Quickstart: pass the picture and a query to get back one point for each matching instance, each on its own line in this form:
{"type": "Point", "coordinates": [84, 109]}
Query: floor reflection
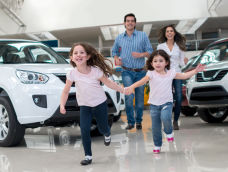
{"type": "Point", "coordinates": [198, 147]}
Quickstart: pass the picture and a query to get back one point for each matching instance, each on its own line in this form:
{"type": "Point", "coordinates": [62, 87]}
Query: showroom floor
{"type": "Point", "coordinates": [198, 147]}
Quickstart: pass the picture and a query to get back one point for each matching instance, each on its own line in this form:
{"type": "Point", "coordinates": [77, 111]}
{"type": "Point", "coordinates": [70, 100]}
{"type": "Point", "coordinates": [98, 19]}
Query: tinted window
{"type": "Point", "coordinates": [28, 52]}
{"type": "Point", "coordinates": [216, 53]}
{"type": "Point", "coordinates": [64, 54]}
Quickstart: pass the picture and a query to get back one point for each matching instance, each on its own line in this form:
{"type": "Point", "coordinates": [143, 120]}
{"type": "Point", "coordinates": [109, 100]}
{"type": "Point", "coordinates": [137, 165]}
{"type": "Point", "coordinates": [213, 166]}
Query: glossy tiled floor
{"type": "Point", "coordinates": [198, 147]}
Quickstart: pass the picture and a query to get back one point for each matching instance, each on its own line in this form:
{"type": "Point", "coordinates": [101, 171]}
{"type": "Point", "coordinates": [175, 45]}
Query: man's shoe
{"type": "Point", "coordinates": [129, 126]}
{"type": "Point", "coordinates": [138, 126]}
{"type": "Point", "coordinates": [107, 140]}
{"type": "Point", "coordinates": [175, 125]}
{"type": "Point", "coordinates": [86, 161]}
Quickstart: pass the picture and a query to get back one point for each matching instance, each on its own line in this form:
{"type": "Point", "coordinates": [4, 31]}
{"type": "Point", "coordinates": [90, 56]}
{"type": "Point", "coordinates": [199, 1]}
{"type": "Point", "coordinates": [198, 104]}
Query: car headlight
{"type": "Point", "coordinates": [28, 77]}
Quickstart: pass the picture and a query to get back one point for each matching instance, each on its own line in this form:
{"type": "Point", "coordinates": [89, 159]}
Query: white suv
{"type": "Point", "coordinates": [32, 79]}
{"type": "Point", "coordinates": [208, 90]}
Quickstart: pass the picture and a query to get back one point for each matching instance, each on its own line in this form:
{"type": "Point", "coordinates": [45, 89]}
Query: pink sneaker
{"type": "Point", "coordinates": [156, 151]}
{"type": "Point", "coordinates": [171, 139]}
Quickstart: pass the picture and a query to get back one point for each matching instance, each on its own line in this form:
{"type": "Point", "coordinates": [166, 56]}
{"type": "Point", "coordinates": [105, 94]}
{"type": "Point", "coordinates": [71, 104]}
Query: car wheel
{"type": "Point", "coordinates": [116, 118]}
{"type": "Point", "coordinates": [188, 111]}
{"type": "Point", "coordinates": [11, 132]}
{"type": "Point", "coordinates": [213, 115]}
{"type": "Point", "coordinates": [94, 131]}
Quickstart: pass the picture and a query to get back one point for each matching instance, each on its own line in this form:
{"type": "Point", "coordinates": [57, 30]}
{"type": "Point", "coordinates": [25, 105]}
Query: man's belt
{"type": "Point", "coordinates": [133, 69]}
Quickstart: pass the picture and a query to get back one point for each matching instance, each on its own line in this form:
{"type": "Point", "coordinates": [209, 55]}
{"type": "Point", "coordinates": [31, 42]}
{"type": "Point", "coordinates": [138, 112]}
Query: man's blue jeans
{"type": "Point", "coordinates": [129, 78]}
{"type": "Point", "coordinates": [161, 114]}
{"type": "Point", "coordinates": [177, 85]}
{"type": "Point", "coordinates": [86, 116]}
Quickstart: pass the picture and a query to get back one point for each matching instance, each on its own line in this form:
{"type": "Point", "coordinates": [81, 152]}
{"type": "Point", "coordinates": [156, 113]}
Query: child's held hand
{"type": "Point", "coordinates": [200, 68]}
{"type": "Point", "coordinates": [128, 90]}
{"type": "Point", "coordinates": [62, 110]}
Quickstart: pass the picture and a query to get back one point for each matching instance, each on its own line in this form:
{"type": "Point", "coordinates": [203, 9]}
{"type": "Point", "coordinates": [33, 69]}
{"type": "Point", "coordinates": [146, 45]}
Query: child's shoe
{"type": "Point", "coordinates": [157, 150]}
{"type": "Point", "coordinates": [107, 140]}
{"type": "Point", "coordinates": [86, 161]}
{"type": "Point", "coordinates": [170, 137]}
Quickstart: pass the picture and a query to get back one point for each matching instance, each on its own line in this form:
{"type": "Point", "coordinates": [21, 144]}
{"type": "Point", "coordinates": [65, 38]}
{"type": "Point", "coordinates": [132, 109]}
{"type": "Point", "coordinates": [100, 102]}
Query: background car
{"type": "Point", "coordinates": [64, 52]}
{"type": "Point", "coordinates": [32, 79]}
{"type": "Point", "coordinates": [185, 108]}
{"type": "Point", "coordinates": [208, 90]}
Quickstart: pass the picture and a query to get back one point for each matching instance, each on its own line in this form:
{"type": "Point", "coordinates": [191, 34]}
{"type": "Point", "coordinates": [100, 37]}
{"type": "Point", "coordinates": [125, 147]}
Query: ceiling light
{"type": "Point", "coordinates": [42, 36]}
{"type": "Point", "coordinates": [111, 32]}
{"type": "Point", "coordinates": [147, 28]}
{"type": "Point", "coordinates": [196, 26]}
{"type": "Point", "coordinates": [189, 26]}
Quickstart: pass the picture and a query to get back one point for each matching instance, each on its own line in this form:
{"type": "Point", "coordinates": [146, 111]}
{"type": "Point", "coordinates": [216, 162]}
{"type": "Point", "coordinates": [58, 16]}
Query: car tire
{"type": "Point", "coordinates": [116, 118]}
{"type": "Point", "coordinates": [188, 111]}
{"type": "Point", "coordinates": [213, 115]}
{"type": "Point", "coordinates": [94, 129]}
{"type": "Point", "coordinates": [11, 132]}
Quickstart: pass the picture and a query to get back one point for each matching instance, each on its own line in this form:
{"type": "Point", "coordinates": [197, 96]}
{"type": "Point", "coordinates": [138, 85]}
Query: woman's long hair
{"type": "Point", "coordinates": [178, 38]}
{"type": "Point", "coordinates": [96, 59]}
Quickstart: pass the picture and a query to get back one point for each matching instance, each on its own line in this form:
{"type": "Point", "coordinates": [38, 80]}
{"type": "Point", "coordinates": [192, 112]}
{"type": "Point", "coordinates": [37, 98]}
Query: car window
{"type": "Point", "coordinates": [64, 54]}
{"type": "Point", "coordinates": [28, 52]}
{"type": "Point", "coordinates": [214, 54]}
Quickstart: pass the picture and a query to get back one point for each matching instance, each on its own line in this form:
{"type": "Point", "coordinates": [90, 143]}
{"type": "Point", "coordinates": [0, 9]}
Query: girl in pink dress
{"type": "Point", "coordinates": [160, 78]}
{"type": "Point", "coordinates": [89, 70]}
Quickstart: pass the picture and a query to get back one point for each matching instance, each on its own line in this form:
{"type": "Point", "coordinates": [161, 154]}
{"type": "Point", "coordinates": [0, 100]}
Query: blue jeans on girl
{"type": "Point", "coordinates": [161, 114]}
{"type": "Point", "coordinates": [86, 115]}
{"type": "Point", "coordinates": [129, 78]}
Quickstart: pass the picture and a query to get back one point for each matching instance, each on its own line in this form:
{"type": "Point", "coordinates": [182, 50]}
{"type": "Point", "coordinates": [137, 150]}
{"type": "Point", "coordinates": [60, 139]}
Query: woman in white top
{"type": "Point", "coordinates": [173, 43]}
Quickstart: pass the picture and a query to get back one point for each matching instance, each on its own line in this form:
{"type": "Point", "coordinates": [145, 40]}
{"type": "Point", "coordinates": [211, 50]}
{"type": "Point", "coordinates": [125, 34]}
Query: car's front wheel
{"type": "Point", "coordinates": [11, 132]}
{"type": "Point", "coordinates": [213, 115]}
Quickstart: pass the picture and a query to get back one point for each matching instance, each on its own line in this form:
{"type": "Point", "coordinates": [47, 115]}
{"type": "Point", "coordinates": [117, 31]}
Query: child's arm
{"type": "Point", "coordinates": [130, 89]}
{"type": "Point", "coordinates": [111, 84]}
{"type": "Point", "coordinates": [64, 96]}
{"type": "Point", "coordinates": [189, 74]}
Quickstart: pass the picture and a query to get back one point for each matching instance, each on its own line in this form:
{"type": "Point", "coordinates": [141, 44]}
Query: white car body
{"type": "Point", "coordinates": [32, 80]}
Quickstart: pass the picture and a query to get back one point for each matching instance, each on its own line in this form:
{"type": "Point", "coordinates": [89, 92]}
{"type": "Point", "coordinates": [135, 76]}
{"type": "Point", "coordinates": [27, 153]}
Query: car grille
{"type": "Point", "coordinates": [62, 77]}
{"type": "Point", "coordinates": [213, 75]}
{"type": "Point", "coordinates": [210, 93]}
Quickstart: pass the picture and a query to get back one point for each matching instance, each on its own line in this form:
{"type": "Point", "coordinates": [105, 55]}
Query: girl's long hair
{"type": "Point", "coordinates": [178, 38]}
{"type": "Point", "coordinates": [96, 59]}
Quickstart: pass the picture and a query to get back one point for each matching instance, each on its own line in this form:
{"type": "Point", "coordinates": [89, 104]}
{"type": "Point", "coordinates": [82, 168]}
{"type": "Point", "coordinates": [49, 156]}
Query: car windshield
{"type": "Point", "coordinates": [28, 52]}
{"type": "Point", "coordinates": [215, 54]}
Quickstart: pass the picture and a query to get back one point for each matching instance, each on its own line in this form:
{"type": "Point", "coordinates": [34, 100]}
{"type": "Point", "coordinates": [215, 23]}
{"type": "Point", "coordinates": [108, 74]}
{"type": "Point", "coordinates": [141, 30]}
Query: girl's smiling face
{"type": "Point", "coordinates": [159, 64]}
{"type": "Point", "coordinates": [79, 56]}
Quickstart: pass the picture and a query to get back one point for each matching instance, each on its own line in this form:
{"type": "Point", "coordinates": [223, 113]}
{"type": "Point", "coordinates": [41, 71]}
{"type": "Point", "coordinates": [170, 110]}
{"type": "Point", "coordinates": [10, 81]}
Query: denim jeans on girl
{"type": "Point", "coordinates": [86, 116]}
{"type": "Point", "coordinates": [161, 114]}
{"type": "Point", "coordinates": [177, 84]}
{"type": "Point", "coordinates": [129, 78]}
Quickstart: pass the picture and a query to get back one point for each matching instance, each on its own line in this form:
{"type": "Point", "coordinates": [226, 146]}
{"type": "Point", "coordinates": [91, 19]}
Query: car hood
{"type": "Point", "coordinates": [218, 65]}
{"type": "Point", "coordinates": [43, 68]}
